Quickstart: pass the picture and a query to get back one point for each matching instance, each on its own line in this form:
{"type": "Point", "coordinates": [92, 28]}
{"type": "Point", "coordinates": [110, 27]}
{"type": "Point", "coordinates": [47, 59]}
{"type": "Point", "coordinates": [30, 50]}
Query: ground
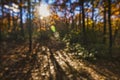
{"type": "Point", "coordinates": [51, 62]}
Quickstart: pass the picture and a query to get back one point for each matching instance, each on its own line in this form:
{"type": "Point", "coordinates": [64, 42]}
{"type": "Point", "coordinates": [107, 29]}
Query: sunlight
{"type": "Point", "coordinates": [43, 10]}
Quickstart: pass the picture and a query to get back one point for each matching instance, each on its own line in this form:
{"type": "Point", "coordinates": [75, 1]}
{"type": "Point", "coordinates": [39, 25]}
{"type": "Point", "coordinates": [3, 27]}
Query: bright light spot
{"type": "Point", "coordinates": [11, 12]}
{"type": "Point", "coordinates": [43, 10]}
{"type": "Point", "coordinates": [14, 5]}
{"type": "Point", "coordinates": [12, 8]}
{"type": "Point", "coordinates": [41, 17]}
{"type": "Point", "coordinates": [6, 6]}
{"type": "Point", "coordinates": [51, 1]}
{"type": "Point", "coordinates": [16, 10]}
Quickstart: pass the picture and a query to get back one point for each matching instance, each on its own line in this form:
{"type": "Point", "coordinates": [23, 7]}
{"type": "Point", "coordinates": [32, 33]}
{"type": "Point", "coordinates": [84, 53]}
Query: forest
{"type": "Point", "coordinates": [59, 39]}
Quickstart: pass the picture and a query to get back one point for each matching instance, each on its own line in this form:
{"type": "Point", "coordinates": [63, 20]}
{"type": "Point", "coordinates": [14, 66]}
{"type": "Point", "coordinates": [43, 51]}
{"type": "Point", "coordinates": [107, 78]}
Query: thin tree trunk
{"type": "Point", "coordinates": [104, 29]}
{"type": "Point", "coordinates": [93, 14]}
{"type": "Point", "coordinates": [30, 26]}
{"type": "Point", "coordinates": [83, 22]}
{"type": "Point", "coordinates": [13, 23]}
{"type": "Point", "coordinates": [66, 18]}
{"type": "Point", "coordinates": [72, 17]}
{"type": "Point", "coordinates": [21, 20]}
{"type": "Point", "coordinates": [87, 26]}
{"type": "Point", "coordinates": [9, 21]}
{"type": "Point", "coordinates": [110, 27]}
{"type": "Point", "coordinates": [73, 20]}
{"type": "Point", "coordinates": [80, 19]}
{"type": "Point", "coordinates": [2, 20]}
{"type": "Point", "coordinates": [83, 17]}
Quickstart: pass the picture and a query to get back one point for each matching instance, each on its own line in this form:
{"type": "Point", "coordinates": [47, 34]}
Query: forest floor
{"type": "Point", "coordinates": [48, 62]}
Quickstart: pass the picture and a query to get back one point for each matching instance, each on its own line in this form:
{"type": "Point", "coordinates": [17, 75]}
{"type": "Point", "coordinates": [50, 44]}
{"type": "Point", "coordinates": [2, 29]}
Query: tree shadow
{"type": "Point", "coordinates": [76, 75]}
{"type": "Point", "coordinates": [20, 70]}
{"type": "Point", "coordinates": [106, 68]}
{"type": "Point", "coordinates": [60, 73]}
{"type": "Point", "coordinates": [70, 73]}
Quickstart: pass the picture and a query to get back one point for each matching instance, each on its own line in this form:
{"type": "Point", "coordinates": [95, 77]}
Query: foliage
{"type": "Point", "coordinates": [92, 49]}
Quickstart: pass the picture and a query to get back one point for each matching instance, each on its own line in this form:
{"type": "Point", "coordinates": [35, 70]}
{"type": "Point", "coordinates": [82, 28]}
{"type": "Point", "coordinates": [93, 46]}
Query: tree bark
{"type": "Point", "coordinates": [83, 22]}
{"type": "Point", "coordinates": [29, 26]}
{"type": "Point", "coordinates": [110, 27]}
{"type": "Point", "coordinates": [83, 16]}
{"type": "Point", "coordinates": [73, 20]}
{"type": "Point", "coordinates": [1, 20]}
{"type": "Point", "coordinates": [21, 20]}
{"type": "Point", "coordinates": [93, 14]}
{"type": "Point", "coordinates": [80, 18]}
{"type": "Point", "coordinates": [104, 29]}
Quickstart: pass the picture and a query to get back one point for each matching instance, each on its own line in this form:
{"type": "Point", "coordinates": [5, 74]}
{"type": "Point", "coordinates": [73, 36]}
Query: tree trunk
{"type": "Point", "coordinates": [29, 26]}
{"type": "Point", "coordinates": [1, 20]}
{"type": "Point", "coordinates": [93, 14]}
{"type": "Point", "coordinates": [21, 20]}
{"type": "Point", "coordinates": [83, 22]}
{"type": "Point", "coordinates": [80, 18]}
{"type": "Point", "coordinates": [87, 26]}
{"type": "Point", "coordinates": [83, 16]}
{"type": "Point", "coordinates": [104, 29]}
{"type": "Point", "coordinates": [72, 17]}
{"type": "Point", "coordinates": [66, 25]}
{"type": "Point", "coordinates": [9, 21]}
{"type": "Point", "coordinates": [73, 20]}
{"type": "Point", "coordinates": [110, 27]}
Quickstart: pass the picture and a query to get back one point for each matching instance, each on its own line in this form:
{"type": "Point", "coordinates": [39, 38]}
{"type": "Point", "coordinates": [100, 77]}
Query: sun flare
{"type": "Point", "coordinates": [43, 10]}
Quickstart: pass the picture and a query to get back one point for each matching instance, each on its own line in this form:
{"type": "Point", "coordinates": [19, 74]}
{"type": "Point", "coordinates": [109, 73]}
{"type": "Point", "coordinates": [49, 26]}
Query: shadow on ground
{"type": "Point", "coordinates": [48, 62]}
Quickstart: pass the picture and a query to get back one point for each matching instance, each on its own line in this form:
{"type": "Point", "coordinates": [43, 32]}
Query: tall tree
{"type": "Point", "coordinates": [110, 27]}
{"type": "Point", "coordinates": [21, 20]}
{"type": "Point", "coordinates": [9, 16]}
{"type": "Point", "coordinates": [1, 3]}
{"type": "Point", "coordinates": [104, 29]}
{"type": "Point", "coordinates": [80, 18]}
{"type": "Point", "coordinates": [81, 2]}
{"type": "Point", "coordinates": [30, 25]}
{"type": "Point", "coordinates": [93, 13]}
{"type": "Point", "coordinates": [83, 15]}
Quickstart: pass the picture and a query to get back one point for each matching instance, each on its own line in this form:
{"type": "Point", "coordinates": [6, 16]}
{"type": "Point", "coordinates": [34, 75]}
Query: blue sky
{"type": "Point", "coordinates": [50, 2]}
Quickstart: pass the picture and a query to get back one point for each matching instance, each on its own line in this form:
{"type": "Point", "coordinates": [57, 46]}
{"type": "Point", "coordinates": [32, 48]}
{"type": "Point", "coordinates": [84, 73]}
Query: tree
{"type": "Point", "coordinates": [1, 3]}
{"type": "Point", "coordinates": [92, 13]}
{"type": "Point", "coordinates": [21, 20]}
{"type": "Point", "coordinates": [80, 18]}
{"type": "Point", "coordinates": [30, 25]}
{"type": "Point", "coordinates": [110, 27]}
{"type": "Point", "coordinates": [81, 2]}
{"type": "Point", "coordinates": [104, 29]}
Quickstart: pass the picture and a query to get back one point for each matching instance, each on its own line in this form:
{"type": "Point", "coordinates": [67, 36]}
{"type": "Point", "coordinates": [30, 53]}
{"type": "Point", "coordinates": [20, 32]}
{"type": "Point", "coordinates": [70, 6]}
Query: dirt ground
{"type": "Point", "coordinates": [51, 63]}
